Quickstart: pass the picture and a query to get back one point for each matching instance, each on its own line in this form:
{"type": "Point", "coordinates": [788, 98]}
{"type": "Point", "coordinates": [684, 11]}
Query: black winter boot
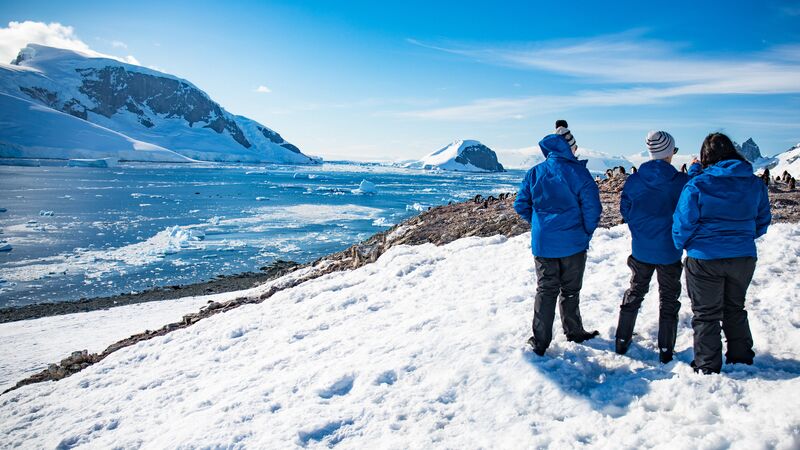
{"type": "Point", "coordinates": [664, 357]}
{"type": "Point", "coordinates": [703, 370]}
{"type": "Point", "coordinates": [536, 348]}
{"type": "Point", "coordinates": [583, 336]}
{"type": "Point", "coordinates": [622, 346]}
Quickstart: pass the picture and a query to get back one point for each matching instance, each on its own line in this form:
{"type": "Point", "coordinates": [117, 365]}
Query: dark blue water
{"type": "Point", "coordinates": [133, 227]}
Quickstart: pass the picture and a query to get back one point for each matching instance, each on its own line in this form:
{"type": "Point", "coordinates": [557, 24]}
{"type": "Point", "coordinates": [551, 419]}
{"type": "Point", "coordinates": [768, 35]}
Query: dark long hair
{"type": "Point", "coordinates": [717, 147]}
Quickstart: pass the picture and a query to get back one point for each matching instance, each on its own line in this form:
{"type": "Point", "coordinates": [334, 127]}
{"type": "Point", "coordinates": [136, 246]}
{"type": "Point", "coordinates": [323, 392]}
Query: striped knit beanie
{"type": "Point", "coordinates": [660, 144]}
{"type": "Point", "coordinates": [566, 134]}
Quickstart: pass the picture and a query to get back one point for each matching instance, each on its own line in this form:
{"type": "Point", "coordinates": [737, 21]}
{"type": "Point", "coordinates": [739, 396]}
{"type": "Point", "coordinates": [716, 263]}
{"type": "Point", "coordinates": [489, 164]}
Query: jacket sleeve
{"type": "Point", "coordinates": [625, 204]}
{"type": "Point", "coordinates": [591, 208]}
{"type": "Point", "coordinates": [695, 170]}
{"type": "Point", "coordinates": [523, 204]}
{"type": "Point", "coordinates": [764, 215]}
{"type": "Point", "coordinates": [686, 217]}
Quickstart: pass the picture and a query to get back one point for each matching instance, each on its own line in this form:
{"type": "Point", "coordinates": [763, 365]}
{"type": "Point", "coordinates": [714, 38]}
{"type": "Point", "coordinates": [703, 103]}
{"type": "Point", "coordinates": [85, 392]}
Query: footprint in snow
{"type": "Point", "coordinates": [342, 386]}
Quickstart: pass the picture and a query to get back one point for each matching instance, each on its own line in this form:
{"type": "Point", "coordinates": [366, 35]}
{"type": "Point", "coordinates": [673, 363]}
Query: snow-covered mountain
{"type": "Point", "coordinates": [749, 149]}
{"type": "Point", "coordinates": [461, 155]}
{"type": "Point", "coordinates": [142, 104]}
{"type": "Point", "coordinates": [598, 162]}
{"type": "Point", "coordinates": [30, 130]}
{"type": "Point", "coordinates": [788, 161]}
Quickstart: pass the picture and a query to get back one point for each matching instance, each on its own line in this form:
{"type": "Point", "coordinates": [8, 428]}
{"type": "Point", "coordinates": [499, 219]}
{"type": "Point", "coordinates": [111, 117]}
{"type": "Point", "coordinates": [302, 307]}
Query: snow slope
{"type": "Point", "coordinates": [143, 104]}
{"type": "Point", "coordinates": [49, 339]}
{"type": "Point", "coordinates": [31, 130]}
{"type": "Point", "coordinates": [462, 156]}
{"type": "Point", "coordinates": [425, 348]}
{"type": "Point", "coordinates": [788, 161]}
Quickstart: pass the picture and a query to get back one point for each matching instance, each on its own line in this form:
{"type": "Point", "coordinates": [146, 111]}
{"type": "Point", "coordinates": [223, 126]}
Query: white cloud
{"type": "Point", "coordinates": [119, 44]}
{"type": "Point", "coordinates": [263, 89]}
{"type": "Point", "coordinates": [658, 71]}
{"type": "Point", "coordinates": [19, 34]}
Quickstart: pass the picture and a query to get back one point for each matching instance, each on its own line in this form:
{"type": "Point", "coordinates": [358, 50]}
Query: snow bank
{"type": "Point", "coordinates": [425, 348]}
{"type": "Point", "coordinates": [49, 339]}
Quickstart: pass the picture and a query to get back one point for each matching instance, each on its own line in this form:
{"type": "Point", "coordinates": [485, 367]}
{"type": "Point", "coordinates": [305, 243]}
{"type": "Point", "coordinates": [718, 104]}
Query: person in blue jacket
{"type": "Point", "coordinates": [560, 199]}
{"type": "Point", "coordinates": [720, 213]}
{"type": "Point", "coordinates": [647, 203]}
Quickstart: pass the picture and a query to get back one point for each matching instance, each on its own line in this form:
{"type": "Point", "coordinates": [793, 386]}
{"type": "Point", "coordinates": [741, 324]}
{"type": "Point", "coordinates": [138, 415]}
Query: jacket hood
{"type": "Point", "coordinates": [656, 173]}
{"type": "Point", "coordinates": [730, 168]}
{"type": "Point", "coordinates": [557, 146]}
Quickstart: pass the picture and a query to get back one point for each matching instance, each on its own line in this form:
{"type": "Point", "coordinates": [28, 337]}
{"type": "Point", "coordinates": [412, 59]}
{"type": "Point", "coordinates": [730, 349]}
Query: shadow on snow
{"type": "Point", "coordinates": [610, 388]}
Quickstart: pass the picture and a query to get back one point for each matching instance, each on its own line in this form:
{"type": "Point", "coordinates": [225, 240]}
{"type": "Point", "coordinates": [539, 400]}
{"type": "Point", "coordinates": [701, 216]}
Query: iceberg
{"type": "Point", "coordinates": [366, 187]}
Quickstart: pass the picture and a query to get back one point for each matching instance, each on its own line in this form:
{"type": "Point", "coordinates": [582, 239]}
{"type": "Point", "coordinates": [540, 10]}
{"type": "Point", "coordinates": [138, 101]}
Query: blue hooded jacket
{"type": "Point", "coordinates": [560, 200]}
{"type": "Point", "coordinates": [647, 203]}
{"type": "Point", "coordinates": [721, 212]}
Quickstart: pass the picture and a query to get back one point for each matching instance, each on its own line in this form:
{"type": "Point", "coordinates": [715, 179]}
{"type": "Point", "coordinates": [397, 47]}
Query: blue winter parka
{"type": "Point", "coordinates": [721, 212]}
{"type": "Point", "coordinates": [560, 199]}
{"type": "Point", "coordinates": [647, 203]}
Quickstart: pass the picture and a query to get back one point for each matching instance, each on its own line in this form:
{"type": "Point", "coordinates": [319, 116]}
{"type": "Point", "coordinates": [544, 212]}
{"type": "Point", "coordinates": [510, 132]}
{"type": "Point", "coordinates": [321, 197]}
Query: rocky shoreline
{"type": "Point", "coordinates": [439, 225]}
{"type": "Point", "coordinates": [220, 284]}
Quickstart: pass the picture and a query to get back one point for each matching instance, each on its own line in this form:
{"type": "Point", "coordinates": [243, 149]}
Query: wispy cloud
{"type": "Point", "coordinates": [119, 44]}
{"type": "Point", "coordinates": [263, 89]}
{"type": "Point", "coordinates": [636, 71]}
{"type": "Point", "coordinates": [19, 34]}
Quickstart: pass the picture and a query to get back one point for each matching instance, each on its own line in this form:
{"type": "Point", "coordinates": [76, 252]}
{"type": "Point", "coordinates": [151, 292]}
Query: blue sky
{"type": "Point", "coordinates": [373, 80]}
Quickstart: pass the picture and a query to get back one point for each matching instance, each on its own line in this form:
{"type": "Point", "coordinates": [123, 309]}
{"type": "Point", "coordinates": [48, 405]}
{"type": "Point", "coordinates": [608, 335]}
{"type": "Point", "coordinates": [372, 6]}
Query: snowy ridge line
{"type": "Point", "coordinates": [489, 217]}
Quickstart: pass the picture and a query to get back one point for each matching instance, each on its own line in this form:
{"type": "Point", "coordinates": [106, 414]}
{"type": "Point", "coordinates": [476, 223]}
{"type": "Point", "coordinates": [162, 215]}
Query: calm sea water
{"type": "Point", "coordinates": [85, 232]}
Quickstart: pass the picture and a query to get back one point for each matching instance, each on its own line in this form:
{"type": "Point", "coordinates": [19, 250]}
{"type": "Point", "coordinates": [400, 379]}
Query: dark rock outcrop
{"type": "Point", "coordinates": [480, 156]}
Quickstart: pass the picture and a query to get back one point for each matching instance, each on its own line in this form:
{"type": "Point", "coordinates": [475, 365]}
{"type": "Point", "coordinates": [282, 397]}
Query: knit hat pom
{"type": "Point", "coordinates": [566, 134]}
{"type": "Point", "coordinates": [660, 144]}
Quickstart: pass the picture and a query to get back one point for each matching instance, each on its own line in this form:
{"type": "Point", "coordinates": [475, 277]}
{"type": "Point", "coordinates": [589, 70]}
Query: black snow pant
{"type": "Point", "coordinates": [554, 276]}
{"type": "Point", "coordinates": [717, 288]}
{"type": "Point", "coordinates": [669, 289]}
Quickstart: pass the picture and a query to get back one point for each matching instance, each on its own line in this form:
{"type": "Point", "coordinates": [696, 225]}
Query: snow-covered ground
{"type": "Point", "coordinates": [425, 348]}
{"type": "Point", "coordinates": [30, 345]}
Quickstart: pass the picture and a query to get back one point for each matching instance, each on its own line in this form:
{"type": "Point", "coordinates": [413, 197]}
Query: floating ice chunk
{"type": "Point", "coordinates": [140, 195]}
{"type": "Point", "coordinates": [46, 213]}
{"type": "Point", "coordinates": [416, 207]}
{"type": "Point", "coordinates": [5, 247]}
{"type": "Point", "coordinates": [2, 210]}
{"type": "Point", "coordinates": [301, 176]}
{"type": "Point", "coordinates": [366, 187]}
{"type": "Point", "coordinates": [97, 163]}
{"type": "Point", "coordinates": [381, 222]}
{"type": "Point", "coordinates": [261, 199]}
